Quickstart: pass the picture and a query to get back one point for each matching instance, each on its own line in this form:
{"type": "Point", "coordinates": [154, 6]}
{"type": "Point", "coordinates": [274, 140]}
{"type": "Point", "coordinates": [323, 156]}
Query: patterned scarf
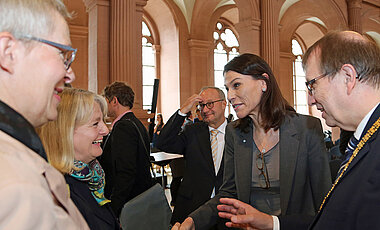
{"type": "Point", "coordinates": [93, 174]}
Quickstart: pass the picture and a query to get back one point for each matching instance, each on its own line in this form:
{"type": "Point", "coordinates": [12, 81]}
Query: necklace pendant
{"type": "Point", "coordinates": [263, 150]}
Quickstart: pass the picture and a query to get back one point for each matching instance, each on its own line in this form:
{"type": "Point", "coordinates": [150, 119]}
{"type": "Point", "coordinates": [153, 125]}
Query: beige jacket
{"type": "Point", "coordinates": [33, 194]}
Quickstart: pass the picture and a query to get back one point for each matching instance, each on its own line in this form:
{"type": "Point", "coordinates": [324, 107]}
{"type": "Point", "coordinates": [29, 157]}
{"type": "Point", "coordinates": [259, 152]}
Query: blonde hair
{"type": "Point", "coordinates": [30, 17]}
{"type": "Point", "coordinates": [75, 109]}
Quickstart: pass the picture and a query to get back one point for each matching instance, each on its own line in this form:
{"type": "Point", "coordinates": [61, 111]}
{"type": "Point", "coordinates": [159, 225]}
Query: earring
{"type": "Point", "coordinates": [264, 89]}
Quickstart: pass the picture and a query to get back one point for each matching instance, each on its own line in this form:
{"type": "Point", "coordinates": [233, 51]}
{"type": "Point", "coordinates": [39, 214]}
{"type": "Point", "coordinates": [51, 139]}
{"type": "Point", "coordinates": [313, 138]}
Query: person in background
{"type": "Point", "coordinates": [343, 80]}
{"type": "Point", "coordinates": [201, 144]}
{"type": "Point", "coordinates": [35, 60]}
{"type": "Point", "coordinates": [275, 159]}
{"type": "Point", "coordinates": [157, 129]}
{"type": "Point", "coordinates": [125, 159]}
{"type": "Point", "coordinates": [72, 143]}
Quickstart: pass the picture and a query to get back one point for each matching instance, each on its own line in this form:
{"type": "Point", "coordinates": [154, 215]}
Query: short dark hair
{"type": "Point", "coordinates": [273, 107]}
{"type": "Point", "coordinates": [122, 92]}
{"type": "Point", "coordinates": [337, 48]}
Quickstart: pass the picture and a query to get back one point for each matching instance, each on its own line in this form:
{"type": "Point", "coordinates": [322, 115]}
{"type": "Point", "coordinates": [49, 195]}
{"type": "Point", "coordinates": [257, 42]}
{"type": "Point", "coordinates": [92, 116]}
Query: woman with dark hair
{"type": "Point", "coordinates": [274, 158]}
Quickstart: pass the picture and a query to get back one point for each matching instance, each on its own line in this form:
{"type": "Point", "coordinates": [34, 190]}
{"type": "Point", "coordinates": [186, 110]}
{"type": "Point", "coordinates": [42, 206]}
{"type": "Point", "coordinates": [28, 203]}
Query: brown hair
{"type": "Point", "coordinates": [347, 47]}
{"type": "Point", "coordinates": [273, 107]}
{"type": "Point", "coordinates": [122, 92]}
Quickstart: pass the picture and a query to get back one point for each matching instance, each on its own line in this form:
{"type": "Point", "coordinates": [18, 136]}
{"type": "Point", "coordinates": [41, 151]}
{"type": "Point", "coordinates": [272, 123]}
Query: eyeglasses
{"type": "Point", "coordinates": [309, 84]}
{"type": "Point", "coordinates": [263, 176]}
{"type": "Point", "coordinates": [67, 52]}
{"type": "Point", "coordinates": [209, 105]}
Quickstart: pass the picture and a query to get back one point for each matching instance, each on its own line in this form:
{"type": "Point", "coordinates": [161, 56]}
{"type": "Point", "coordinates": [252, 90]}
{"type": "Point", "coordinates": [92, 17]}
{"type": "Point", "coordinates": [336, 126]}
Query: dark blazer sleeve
{"type": "Point", "coordinates": [319, 170]}
{"type": "Point", "coordinates": [171, 138]}
{"type": "Point", "coordinates": [125, 157]}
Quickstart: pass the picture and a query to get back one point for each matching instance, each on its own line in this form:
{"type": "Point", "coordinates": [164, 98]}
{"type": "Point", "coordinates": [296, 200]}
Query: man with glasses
{"type": "Point", "coordinates": [35, 59]}
{"type": "Point", "coordinates": [202, 145]}
{"type": "Point", "coordinates": [343, 80]}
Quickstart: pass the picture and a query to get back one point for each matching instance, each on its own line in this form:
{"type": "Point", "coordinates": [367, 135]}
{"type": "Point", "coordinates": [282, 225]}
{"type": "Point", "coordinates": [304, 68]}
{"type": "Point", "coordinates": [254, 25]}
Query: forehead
{"type": "Point", "coordinates": [61, 33]}
{"type": "Point", "coordinates": [210, 94]}
{"type": "Point", "coordinates": [232, 75]}
{"type": "Point", "coordinates": [312, 66]}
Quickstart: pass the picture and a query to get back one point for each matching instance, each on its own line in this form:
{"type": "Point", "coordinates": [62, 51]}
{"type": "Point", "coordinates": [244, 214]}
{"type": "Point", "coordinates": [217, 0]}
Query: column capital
{"type": "Point", "coordinates": [90, 4]}
{"type": "Point", "coordinates": [140, 4]}
{"type": "Point", "coordinates": [201, 44]}
{"type": "Point", "coordinates": [251, 24]}
{"type": "Point", "coordinates": [354, 3]}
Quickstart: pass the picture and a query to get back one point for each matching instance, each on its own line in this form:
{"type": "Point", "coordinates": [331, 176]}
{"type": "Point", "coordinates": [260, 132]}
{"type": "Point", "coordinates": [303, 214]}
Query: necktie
{"type": "Point", "coordinates": [351, 146]}
{"type": "Point", "coordinates": [214, 145]}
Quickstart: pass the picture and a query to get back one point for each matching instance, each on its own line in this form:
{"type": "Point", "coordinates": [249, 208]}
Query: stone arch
{"type": "Point", "coordinates": [324, 10]}
{"type": "Point", "coordinates": [168, 25]}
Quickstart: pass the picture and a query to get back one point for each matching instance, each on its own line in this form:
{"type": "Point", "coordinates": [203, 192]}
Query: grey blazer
{"type": "Point", "coordinates": [304, 169]}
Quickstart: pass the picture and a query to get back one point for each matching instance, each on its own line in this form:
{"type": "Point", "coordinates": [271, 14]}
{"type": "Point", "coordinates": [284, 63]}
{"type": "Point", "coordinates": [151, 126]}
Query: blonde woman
{"type": "Point", "coordinates": [72, 143]}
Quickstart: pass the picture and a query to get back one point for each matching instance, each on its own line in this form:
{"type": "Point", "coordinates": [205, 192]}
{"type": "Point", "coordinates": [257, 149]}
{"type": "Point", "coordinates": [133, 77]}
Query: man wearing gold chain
{"type": "Point", "coordinates": [343, 79]}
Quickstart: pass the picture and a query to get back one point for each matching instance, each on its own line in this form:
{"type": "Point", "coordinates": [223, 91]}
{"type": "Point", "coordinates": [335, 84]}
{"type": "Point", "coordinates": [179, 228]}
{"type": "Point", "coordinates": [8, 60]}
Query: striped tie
{"type": "Point", "coordinates": [351, 146]}
{"type": "Point", "coordinates": [214, 145]}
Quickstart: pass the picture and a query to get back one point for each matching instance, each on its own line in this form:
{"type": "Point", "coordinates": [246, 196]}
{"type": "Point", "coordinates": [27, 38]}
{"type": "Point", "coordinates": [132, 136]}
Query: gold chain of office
{"type": "Point", "coordinates": [362, 142]}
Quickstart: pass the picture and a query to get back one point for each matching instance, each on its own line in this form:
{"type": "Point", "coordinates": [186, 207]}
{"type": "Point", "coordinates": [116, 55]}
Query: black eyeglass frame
{"type": "Point", "coordinates": [261, 168]}
{"type": "Point", "coordinates": [209, 105]}
{"type": "Point", "coordinates": [309, 84]}
{"type": "Point", "coordinates": [67, 61]}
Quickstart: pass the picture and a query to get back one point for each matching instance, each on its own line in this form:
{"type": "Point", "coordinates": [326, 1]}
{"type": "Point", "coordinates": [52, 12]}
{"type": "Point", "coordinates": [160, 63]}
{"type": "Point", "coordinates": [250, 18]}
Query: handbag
{"type": "Point", "coordinates": [148, 211]}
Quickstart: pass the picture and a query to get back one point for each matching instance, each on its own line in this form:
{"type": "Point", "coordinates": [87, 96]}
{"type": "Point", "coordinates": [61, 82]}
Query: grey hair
{"type": "Point", "coordinates": [220, 92]}
{"type": "Point", "coordinates": [30, 17]}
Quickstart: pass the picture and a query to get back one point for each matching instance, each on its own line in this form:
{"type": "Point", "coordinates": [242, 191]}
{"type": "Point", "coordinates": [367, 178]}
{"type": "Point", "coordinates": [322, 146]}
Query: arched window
{"type": "Point", "coordinates": [148, 65]}
{"type": "Point", "coordinates": [299, 87]}
{"type": "Point", "coordinates": [226, 47]}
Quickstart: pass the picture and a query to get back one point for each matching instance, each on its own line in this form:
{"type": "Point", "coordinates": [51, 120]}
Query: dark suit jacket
{"type": "Point", "coordinates": [199, 178]}
{"type": "Point", "coordinates": [125, 162]}
{"type": "Point", "coordinates": [304, 169]}
{"type": "Point", "coordinates": [355, 201]}
{"type": "Point", "coordinates": [97, 217]}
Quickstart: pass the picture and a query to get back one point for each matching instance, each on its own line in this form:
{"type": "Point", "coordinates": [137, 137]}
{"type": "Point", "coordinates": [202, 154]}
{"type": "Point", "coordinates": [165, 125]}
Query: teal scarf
{"type": "Point", "coordinates": [93, 174]}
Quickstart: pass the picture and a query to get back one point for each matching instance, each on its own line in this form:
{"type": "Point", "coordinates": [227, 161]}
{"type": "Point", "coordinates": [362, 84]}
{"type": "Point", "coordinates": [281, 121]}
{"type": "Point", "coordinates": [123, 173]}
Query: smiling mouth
{"type": "Point", "coordinates": [97, 142]}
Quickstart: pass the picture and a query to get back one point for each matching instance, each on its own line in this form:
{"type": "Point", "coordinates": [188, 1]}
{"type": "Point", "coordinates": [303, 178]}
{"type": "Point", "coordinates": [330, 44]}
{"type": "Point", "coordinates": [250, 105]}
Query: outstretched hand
{"type": "Point", "coordinates": [244, 216]}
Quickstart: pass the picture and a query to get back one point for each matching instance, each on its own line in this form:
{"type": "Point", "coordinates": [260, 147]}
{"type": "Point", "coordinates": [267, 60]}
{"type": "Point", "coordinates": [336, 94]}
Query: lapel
{"type": "Point", "coordinates": [243, 158]}
{"type": "Point", "coordinates": [204, 137]}
{"type": "Point", "coordinates": [57, 187]}
{"type": "Point", "coordinates": [364, 151]}
{"type": "Point", "coordinates": [289, 144]}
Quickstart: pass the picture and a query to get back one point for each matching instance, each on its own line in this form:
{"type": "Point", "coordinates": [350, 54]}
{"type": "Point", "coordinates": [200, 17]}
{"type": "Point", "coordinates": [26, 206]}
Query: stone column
{"type": "Point", "coordinates": [98, 44]}
{"type": "Point", "coordinates": [270, 47]}
{"type": "Point", "coordinates": [285, 77]}
{"type": "Point", "coordinates": [249, 36]}
{"type": "Point", "coordinates": [201, 57]}
{"type": "Point", "coordinates": [354, 8]}
{"type": "Point", "coordinates": [126, 48]}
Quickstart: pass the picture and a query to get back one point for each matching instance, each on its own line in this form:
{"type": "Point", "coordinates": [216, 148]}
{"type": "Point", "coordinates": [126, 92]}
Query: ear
{"type": "Point", "coordinates": [114, 101]}
{"type": "Point", "coordinates": [264, 83]}
{"type": "Point", "coordinates": [7, 52]}
{"type": "Point", "coordinates": [349, 73]}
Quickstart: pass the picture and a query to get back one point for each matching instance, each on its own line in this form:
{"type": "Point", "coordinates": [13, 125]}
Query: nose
{"type": "Point", "coordinates": [230, 96]}
{"type": "Point", "coordinates": [70, 76]}
{"type": "Point", "coordinates": [103, 129]}
{"type": "Point", "coordinates": [310, 99]}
